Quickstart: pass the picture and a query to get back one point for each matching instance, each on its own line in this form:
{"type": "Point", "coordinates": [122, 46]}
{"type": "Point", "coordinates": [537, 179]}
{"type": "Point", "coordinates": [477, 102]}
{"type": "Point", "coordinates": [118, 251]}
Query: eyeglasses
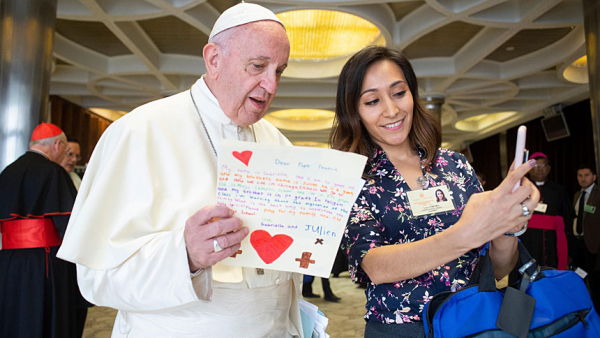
{"type": "Point", "coordinates": [540, 166]}
{"type": "Point", "coordinates": [70, 154]}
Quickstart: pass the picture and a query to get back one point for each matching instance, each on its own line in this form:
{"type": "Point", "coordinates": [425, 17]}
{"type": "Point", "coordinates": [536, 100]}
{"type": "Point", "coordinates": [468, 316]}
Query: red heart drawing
{"type": "Point", "coordinates": [267, 247]}
{"type": "Point", "coordinates": [244, 156]}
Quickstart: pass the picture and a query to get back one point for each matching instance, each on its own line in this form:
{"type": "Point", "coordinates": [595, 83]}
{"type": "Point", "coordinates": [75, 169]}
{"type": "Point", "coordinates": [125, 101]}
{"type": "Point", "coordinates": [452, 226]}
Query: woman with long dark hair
{"type": "Point", "coordinates": [406, 250]}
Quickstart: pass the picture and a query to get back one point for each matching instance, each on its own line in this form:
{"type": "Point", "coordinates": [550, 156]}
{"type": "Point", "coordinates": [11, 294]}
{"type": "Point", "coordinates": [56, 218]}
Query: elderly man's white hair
{"type": "Point", "coordinates": [49, 140]}
{"type": "Point", "coordinates": [241, 14]}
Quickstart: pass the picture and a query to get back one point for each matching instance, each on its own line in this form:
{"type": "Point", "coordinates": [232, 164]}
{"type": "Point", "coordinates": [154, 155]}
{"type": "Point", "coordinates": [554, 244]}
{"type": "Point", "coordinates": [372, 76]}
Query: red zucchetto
{"type": "Point", "coordinates": [45, 130]}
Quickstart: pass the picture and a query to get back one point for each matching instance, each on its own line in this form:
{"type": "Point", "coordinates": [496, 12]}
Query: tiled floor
{"type": "Point", "coordinates": [345, 317]}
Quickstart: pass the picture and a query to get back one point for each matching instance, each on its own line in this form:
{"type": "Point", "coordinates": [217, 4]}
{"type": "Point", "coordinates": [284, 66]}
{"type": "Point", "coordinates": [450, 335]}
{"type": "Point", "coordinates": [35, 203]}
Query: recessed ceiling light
{"type": "Point", "coordinates": [577, 72]}
{"type": "Point", "coordinates": [311, 144]}
{"type": "Point", "coordinates": [482, 121]}
{"type": "Point", "coordinates": [301, 119]}
{"type": "Point", "coordinates": [317, 34]}
{"type": "Point", "coordinates": [510, 48]}
{"type": "Point", "coordinates": [581, 62]}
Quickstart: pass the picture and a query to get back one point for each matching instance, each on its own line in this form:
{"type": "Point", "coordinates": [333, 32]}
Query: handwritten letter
{"type": "Point", "coordinates": [294, 200]}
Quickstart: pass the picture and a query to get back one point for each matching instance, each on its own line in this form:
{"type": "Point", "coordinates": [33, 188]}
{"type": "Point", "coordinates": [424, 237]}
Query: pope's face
{"type": "Point", "coordinates": [251, 70]}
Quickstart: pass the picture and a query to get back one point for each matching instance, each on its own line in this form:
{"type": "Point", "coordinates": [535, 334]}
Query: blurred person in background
{"type": "Point", "coordinates": [586, 229]}
{"type": "Point", "coordinates": [554, 201]}
{"type": "Point", "coordinates": [72, 156]}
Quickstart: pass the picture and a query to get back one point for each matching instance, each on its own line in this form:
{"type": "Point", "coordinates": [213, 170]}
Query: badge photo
{"type": "Point", "coordinates": [432, 201]}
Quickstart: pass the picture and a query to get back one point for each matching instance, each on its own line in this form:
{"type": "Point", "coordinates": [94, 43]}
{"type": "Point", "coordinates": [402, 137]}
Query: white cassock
{"type": "Point", "coordinates": [151, 170]}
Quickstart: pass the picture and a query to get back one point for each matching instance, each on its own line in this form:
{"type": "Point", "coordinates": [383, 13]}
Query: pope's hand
{"type": "Point", "coordinates": [204, 227]}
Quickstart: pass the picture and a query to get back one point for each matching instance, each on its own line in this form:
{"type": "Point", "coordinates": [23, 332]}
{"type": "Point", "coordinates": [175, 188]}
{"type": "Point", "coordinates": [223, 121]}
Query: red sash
{"type": "Point", "coordinates": [556, 223]}
{"type": "Point", "coordinates": [29, 233]}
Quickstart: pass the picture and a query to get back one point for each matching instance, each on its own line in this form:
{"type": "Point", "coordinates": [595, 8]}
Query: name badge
{"type": "Point", "coordinates": [541, 207]}
{"type": "Point", "coordinates": [434, 200]}
{"type": "Point", "coordinates": [589, 208]}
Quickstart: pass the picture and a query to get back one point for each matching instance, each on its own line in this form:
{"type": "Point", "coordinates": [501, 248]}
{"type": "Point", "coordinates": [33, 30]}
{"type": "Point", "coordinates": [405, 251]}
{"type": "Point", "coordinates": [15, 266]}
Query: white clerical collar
{"type": "Point", "coordinates": [539, 184]}
{"type": "Point", "coordinates": [216, 124]}
{"type": "Point", "coordinates": [210, 104]}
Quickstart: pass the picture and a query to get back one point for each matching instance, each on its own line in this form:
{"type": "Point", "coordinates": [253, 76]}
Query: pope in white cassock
{"type": "Point", "coordinates": [145, 232]}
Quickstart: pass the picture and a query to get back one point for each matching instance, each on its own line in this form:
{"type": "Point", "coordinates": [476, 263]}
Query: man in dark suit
{"type": "Point", "coordinates": [586, 229]}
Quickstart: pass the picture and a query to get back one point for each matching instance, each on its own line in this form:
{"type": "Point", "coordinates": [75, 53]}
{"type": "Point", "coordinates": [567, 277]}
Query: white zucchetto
{"type": "Point", "coordinates": [242, 14]}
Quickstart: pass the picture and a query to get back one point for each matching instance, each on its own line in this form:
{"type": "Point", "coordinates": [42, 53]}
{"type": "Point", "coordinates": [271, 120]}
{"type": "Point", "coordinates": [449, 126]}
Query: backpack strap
{"type": "Point", "coordinates": [516, 311]}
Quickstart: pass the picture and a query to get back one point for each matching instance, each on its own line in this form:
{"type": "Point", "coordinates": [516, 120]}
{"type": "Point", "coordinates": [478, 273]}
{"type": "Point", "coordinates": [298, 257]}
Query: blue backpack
{"type": "Point", "coordinates": [547, 303]}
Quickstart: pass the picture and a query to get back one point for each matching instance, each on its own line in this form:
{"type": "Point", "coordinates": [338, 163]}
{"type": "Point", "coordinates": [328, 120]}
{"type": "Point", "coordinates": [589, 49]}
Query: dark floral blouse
{"type": "Point", "coordinates": [381, 216]}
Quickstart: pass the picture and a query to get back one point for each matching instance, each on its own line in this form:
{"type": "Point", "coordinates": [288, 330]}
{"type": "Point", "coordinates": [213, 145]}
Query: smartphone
{"type": "Point", "coordinates": [520, 150]}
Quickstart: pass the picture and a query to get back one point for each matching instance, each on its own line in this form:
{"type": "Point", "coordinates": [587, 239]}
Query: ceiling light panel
{"type": "Point", "coordinates": [310, 144]}
{"type": "Point", "coordinates": [301, 119]}
{"type": "Point", "coordinates": [581, 62]}
{"type": "Point", "coordinates": [321, 34]}
{"type": "Point", "coordinates": [577, 72]}
{"type": "Point", "coordinates": [480, 122]}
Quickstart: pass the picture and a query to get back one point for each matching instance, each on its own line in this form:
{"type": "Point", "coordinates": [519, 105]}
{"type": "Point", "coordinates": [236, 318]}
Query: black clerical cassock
{"type": "Point", "coordinates": [38, 292]}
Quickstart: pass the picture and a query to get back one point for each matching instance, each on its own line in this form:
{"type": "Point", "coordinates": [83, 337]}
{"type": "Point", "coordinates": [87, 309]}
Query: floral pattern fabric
{"type": "Point", "coordinates": [382, 216]}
